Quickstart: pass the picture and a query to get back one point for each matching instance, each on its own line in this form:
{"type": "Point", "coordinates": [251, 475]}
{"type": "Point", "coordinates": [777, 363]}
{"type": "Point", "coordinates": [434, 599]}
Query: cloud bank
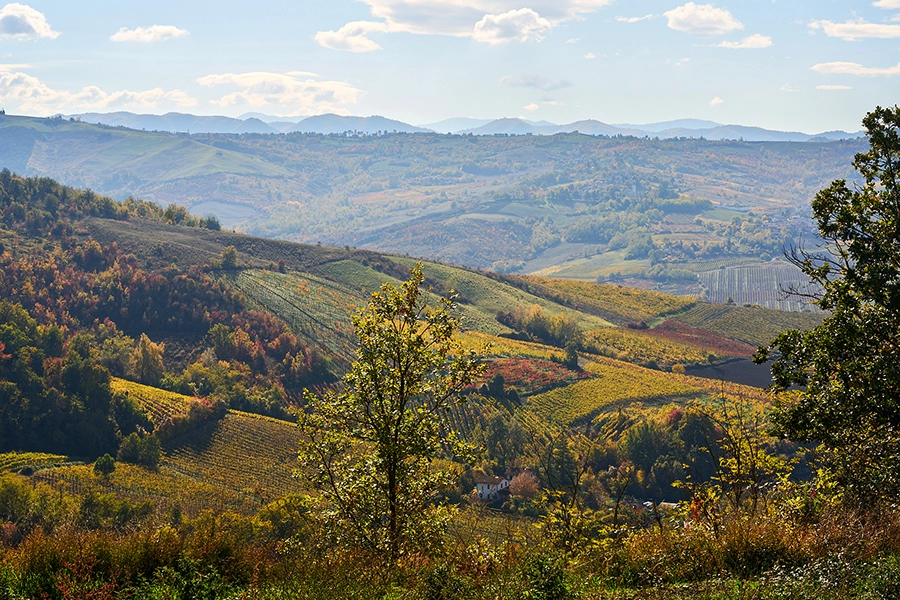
{"type": "Point", "coordinates": [702, 19]}
{"type": "Point", "coordinates": [535, 82]}
{"type": "Point", "coordinates": [855, 30]}
{"type": "Point", "coordinates": [32, 96]}
{"type": "Point", "coordinates": [488, 21]}
{"type": "Point", "coordinates": [851, 68]}
{"type": "Point", "coordinates": [294, 93]}
{"type": "Point", "coordinates": [753, 42]}
{"type": "Point", "coordinates": [146, 35]}
{"type": "Point", "coordinates": [22, 22]}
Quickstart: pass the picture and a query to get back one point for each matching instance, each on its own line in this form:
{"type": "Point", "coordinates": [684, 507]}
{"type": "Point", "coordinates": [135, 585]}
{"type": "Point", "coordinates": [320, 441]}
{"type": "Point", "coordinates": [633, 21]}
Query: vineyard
{"type": "Point", "coordinates": [701, 338]}
{"type": "Point", "coordinates": [753, 325]}
{"type": "Point", "coordinates": [243, 452]}
{"type": "Point", "coordinates": [499, 347]}
{"type": "Point", "coordinates": [644, 347]}
{"type": "Point", "coordinates": [166, 488]}
{"type": "Point", "coordinates": [368, 280]}
{"type": "Point", "coordinates": [32, 461]}
{"type": "Point", "coordinates": [490, 296]}
{"type": "Point", "coordinates": [765, 285]}
{"type": "Point", "coordinates": [615, 385]}
{"type": "Point", "coordinates": [317, 310]}
{"type": "Point", "coordinates": [530, 376]}
{"type": "Point", "coordinates": [622, 304]}
{"type": "Point", "coordinates": [159, 405]}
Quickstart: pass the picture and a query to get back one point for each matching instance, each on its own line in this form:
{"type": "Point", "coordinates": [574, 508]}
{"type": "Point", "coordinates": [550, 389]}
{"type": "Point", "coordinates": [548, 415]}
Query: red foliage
{"type": "Point", "coordinates": [531, 375]}
{"type": "Point", "coordinates": [701, 338]}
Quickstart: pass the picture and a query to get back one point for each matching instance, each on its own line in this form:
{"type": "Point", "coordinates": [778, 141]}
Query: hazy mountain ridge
{"type": "Point", "coordinates": [332, 123]}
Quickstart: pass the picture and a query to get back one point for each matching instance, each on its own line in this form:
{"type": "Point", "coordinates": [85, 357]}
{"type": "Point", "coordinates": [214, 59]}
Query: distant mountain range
{"type": "Point", "coordinates": [331, 123]}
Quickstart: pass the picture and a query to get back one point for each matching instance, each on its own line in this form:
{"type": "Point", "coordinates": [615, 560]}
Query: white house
{"type": "Point", "coordinates": [489, 488]}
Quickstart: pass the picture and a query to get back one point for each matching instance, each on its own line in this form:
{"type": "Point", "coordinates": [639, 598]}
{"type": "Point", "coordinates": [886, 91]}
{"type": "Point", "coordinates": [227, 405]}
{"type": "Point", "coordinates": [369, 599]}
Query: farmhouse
{"type": "Point", "coordinates": [489, 487]}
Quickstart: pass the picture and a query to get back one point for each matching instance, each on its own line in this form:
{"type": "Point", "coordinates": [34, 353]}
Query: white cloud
{"type": "Point", "coordinates": [850, 68]}
{"type": "Point", "coordinates": [531, 106]}
{"type": "Point", "coordinates": [352, 37]}
{"type": "Point", "coordinates": [834, 87]}
{"type": "Point", "coordinates": [633, 19]}
{"type": "Point", "coordinates": [294, 93]}
{"type": "Point", "coordinates": [788, 88]}
{"type": "Point", "coordinates": [854, 30]}
{"type": "Point", "coordinates": [535, 82]}
{"type": "Point", "coordinates": [32, 96]}
{"type": "Point", "coordinates": [890, 4]}
{"type": "Point", "coordinates": [22, 22]}
{"type": "Point", "coordinates": [716, 101]}
{"type": "Point", "coordinates": [573, 40]}
{"type": "Point", "coordinates": [753, 42]}
{"type": "Point", "coordinates": [522, 25]}
{"type": "Point", "coordinates": [590, 56]}
{"type": "Point", "coordinates": [154, 33]}
{"type": "Point", "coordinates": [702, 19]}
{"type": "Point", "coordinates": [455, 17]}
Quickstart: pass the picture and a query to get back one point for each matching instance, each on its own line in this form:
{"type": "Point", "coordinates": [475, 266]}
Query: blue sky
{"type": "Point", "coordinates": [808, 65]}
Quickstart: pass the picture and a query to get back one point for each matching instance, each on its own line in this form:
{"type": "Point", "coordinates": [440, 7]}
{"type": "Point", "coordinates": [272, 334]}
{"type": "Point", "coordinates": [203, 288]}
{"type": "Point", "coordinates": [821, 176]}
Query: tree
{"type": "Point", "coordinates": [229, 258]}
{"type": "Point", "coordinates": [841, 381]}
{"type": "Point", "coordinates": [370, 446]}
{"type": "Point", "coordinates": [147, 361]}
{"type": "Point", "coordinates": [104, 465]}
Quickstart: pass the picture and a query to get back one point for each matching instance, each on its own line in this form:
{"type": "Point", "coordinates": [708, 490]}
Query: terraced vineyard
{"type": "Point", "coordinates": [615, 385]}
{"type": "Point", "coordinates": [243, 452]}
{"type": "Point", "coordinates": [368, 280]}
{"type": "Point", "coordinates": [165, 487]}
{"type": "Point", "coordinates": [159, 405]}
{"type": "Point", "coordinates": [317, 310]}
{"type": "Point", "coordinates": [640, 347]}
{"type": "Point", "coordinates": [619, 303]}
{"type": "Point", "coordinates": [702, 338]}
{"type": "Point", "coordinates": [500, 347]}
{"type": "Point", "coordinates": [490, 296]}
{"type": "Point", "coordinates": [32, 461]}
{"type": "Point", "coordinates": [764, 285]}
{"type": "Point", "coordinates": [753, 325]}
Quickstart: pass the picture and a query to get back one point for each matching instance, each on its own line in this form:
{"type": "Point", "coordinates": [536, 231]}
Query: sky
{"type": "Point", "coordinates": [800, 65]}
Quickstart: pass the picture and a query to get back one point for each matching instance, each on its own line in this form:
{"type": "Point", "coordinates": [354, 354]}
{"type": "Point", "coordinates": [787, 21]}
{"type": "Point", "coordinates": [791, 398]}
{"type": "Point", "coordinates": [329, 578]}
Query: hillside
{"type": "Point", "coordinates": [661, 214]}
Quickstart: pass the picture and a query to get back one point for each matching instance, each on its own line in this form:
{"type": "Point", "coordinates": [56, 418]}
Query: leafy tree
{"type": "Point", "coordinates": [370, 446]}
{"type": "Point", "coordinates": [104, 465]}
{"type": "Point", "coordinates": [139, 450]}
{"type": "Point", "coordinates": [844, 373]}
{"type": "Point", "coordinates": [147, 361]}
{"type": "Point", "coordinates": [229, 258]}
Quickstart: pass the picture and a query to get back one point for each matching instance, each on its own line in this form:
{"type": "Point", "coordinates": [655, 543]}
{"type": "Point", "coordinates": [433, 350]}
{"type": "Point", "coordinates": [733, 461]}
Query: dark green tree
{"type": "Point", "coordinates": [370, 446]}
{"type": "Point", "coordinates": [841, 379]}
{"type": "Point", "coordinates": [104, 465]}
